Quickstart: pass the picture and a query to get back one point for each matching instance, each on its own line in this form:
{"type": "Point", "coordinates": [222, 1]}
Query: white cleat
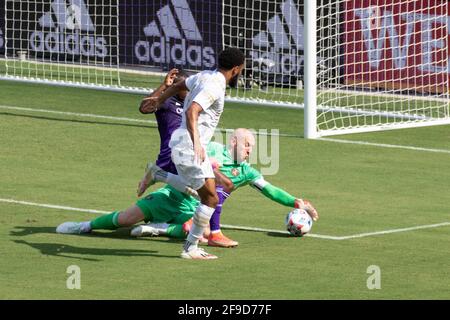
{"type": "Point", "coordinates": [150, 177]}
{"type": "Point", "coordinates": [72, 228]}
{"type": "Point", "coordinates": [197, 254]}
{"type": "Point", "coordinates": [153, 171]}
{"type": "Point", "coordinates": [144, 230]}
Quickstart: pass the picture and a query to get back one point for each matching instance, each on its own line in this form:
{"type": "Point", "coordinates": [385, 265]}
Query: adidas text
{"type": "Point", "coordinates": [73, 44]}
{"type": "Point", "coordinates": [168, 44]}
{"type": "Point", "coordinates": [180, 54]}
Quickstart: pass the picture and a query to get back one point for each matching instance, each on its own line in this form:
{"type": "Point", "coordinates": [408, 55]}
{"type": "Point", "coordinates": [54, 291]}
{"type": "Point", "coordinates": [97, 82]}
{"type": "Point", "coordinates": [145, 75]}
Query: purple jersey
{"type": "Point", "coordinates": [169, 119]}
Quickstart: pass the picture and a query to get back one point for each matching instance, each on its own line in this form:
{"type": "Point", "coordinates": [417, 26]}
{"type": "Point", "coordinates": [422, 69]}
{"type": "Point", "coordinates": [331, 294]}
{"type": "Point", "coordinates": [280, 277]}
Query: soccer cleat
{"type": "Point", "coordinates": [197, 254]}
{"type": "Point", "coordinates": [150, 177]}
{"type": "Point", "coordinates": [144, 230]}
{"type": "Point", "coordinates": [72, 228]}
{"type": "Point", "coordinates": [218, 239]}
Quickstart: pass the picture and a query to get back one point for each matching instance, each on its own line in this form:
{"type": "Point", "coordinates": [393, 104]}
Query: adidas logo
{"type": "Point", "coordinates": [282, 46]}
{"type": "Point", "coordinates": [172, 46]}
{"type": "Point", "coordinates": [74, 31]}
{"type": "Point", "coordinates": [74, 16]}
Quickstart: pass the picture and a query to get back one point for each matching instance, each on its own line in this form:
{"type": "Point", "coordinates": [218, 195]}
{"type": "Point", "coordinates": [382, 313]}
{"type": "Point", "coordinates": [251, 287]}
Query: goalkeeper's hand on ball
{"type": "Point", "coordinates": [308, 207]}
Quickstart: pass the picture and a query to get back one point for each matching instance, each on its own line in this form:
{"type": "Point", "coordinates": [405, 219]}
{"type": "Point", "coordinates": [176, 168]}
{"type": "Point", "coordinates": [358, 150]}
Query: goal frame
{"type": "Point", "coordinates": [311, 108]}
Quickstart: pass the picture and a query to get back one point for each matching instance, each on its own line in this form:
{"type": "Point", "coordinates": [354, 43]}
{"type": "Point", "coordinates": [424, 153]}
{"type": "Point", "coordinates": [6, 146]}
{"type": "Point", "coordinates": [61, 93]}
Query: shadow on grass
{"type": "Point", "coordinates": [279, 235]}
{"type": "Point", "coordinates": [119, 234]}
{"type": "Point", "coordinates": [67, 251]}
{"type": "Point", "coordinates": [74, 252]}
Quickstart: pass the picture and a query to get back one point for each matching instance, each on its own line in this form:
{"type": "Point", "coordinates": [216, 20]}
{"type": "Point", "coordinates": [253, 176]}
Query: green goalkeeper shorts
{"type": "Point", "coordinates": [167, 205]}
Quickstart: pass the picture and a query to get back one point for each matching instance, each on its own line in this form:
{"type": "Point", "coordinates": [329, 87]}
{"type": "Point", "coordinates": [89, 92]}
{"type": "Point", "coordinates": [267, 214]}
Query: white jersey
{"type": "Point", "coordinates": [206, 88]}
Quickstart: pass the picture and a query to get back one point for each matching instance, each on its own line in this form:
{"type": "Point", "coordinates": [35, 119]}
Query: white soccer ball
{"type": "Point", "coordinates": [298, 222]}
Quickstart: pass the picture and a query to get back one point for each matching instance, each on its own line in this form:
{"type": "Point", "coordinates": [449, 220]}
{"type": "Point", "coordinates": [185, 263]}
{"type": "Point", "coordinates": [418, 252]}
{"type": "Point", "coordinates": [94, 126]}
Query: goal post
{"type": "Point", "coordinates": [310, 78]}
{"type": "Point", "coordinates": [382, 65]}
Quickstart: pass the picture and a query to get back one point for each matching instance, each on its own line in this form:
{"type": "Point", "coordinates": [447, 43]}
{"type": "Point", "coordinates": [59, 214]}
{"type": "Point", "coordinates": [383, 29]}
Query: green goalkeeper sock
{"type": "Point", "coordinates": [108, 222]}
{"type": "Point", "coordinates": [176, 231]}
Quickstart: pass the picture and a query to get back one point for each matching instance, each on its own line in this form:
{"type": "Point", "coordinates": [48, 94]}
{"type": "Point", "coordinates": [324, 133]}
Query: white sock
{"type": "Point", "coordinates": [177, 182]}
{"type": "Point", "coordinates": [201, 220]}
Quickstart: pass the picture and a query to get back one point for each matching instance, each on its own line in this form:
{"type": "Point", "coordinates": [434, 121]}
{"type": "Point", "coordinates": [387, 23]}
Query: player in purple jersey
{"type": "Point", "coordinates": [168, 117]}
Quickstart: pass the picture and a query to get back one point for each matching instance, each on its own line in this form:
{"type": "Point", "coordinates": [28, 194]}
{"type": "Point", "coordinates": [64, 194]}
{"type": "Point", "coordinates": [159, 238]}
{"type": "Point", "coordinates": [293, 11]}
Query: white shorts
{"type": "Point", "coordinates": [184, 159]}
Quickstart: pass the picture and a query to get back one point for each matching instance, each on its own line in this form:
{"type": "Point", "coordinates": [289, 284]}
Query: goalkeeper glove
{"type": "Point", "coordinates": [308, 207]}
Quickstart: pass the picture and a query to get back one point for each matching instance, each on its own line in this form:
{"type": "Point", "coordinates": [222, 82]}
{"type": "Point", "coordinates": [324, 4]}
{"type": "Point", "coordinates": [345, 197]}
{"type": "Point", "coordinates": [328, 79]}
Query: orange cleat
{"type": "Point", "coordinates": [218, 239]}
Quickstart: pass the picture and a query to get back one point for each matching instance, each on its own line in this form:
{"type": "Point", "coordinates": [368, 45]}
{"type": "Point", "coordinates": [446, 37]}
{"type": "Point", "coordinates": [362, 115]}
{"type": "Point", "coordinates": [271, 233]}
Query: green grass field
{"type": "Point", "coordinates": [96, 163]}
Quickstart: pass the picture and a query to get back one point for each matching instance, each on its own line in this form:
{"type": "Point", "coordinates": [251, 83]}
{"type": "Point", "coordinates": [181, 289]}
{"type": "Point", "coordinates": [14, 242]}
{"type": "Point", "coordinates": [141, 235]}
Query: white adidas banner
{"type": "Point", "coordinates": [173, 33]}
{"type": "Point", "coordinates": [281, 39]}
{"type": "Point", "coordinates": [67, 28]}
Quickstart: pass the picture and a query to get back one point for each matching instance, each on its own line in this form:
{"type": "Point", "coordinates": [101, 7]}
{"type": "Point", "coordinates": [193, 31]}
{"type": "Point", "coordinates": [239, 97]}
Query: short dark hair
{"type": "Point", "coordinates": [182, 74]}
{"type": "Point", "coordinates": [230, 58]}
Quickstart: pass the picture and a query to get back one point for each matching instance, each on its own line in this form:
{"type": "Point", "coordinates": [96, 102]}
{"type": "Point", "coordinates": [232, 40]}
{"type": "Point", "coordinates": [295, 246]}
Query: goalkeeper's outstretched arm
{"type": "Point", "coordinates": [284, 198]}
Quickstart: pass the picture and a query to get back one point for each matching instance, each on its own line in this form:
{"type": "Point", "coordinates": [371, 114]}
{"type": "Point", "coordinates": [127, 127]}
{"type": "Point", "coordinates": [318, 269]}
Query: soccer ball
{"type": "Point", "coordinates": [298, 222]}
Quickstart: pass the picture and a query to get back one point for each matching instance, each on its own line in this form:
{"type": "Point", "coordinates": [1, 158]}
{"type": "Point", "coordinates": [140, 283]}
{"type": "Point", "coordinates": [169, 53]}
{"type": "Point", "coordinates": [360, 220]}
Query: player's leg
{"type": "Point", "coordinates": [216, 237]}
{"type": "Point", "coordinates": [201, 219]}
{"type": "Point", "coordinates": [174, 229]}
{"type": "Point", "coordinates": [109, 221]}
{"type": "Point", "coordinates": [200, 178]}
{"type": "Point", "coordinates": [154, 173]}
{"type": "Point", "coordinates": [169, 211]}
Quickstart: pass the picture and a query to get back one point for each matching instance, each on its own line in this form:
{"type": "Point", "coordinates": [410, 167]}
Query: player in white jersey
{"type": "Point", "coordinates": [201, 113]}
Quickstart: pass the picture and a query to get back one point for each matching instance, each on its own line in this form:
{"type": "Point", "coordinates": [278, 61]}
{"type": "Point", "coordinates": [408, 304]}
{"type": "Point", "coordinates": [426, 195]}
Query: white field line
{"type": "Point", "coordinates": [84, 115]}
{"type": "Point", "coordinates": [87, 115]}
{"type": "Point", "coordinates": [225, 226]}
{"type": "Point", "coordinates": [376, 233]}
{"type": "Point", "coordinates": [383, 145]}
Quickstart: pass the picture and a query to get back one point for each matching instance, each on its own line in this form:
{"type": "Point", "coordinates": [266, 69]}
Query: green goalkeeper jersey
{"type": "Point", "coordinates": [242, 174]}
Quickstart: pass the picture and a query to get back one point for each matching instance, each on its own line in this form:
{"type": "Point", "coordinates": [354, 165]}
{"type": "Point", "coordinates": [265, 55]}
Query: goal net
{"type": "Point", "coordinates": [353, 65]}
{"type": "Point", "coordinates": [385, 64]}
{"type": "Point", "coordinates": [69, 42]}
{"type": "Point", "coordinates": [356, 65]}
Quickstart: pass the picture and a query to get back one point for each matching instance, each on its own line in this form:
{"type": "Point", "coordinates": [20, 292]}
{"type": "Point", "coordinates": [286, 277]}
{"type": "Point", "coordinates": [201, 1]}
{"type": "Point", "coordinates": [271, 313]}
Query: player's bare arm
{"type": "Point", "coordinates": [153, 102]}
{"type": "Point", "coordinates": [146, 107]}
